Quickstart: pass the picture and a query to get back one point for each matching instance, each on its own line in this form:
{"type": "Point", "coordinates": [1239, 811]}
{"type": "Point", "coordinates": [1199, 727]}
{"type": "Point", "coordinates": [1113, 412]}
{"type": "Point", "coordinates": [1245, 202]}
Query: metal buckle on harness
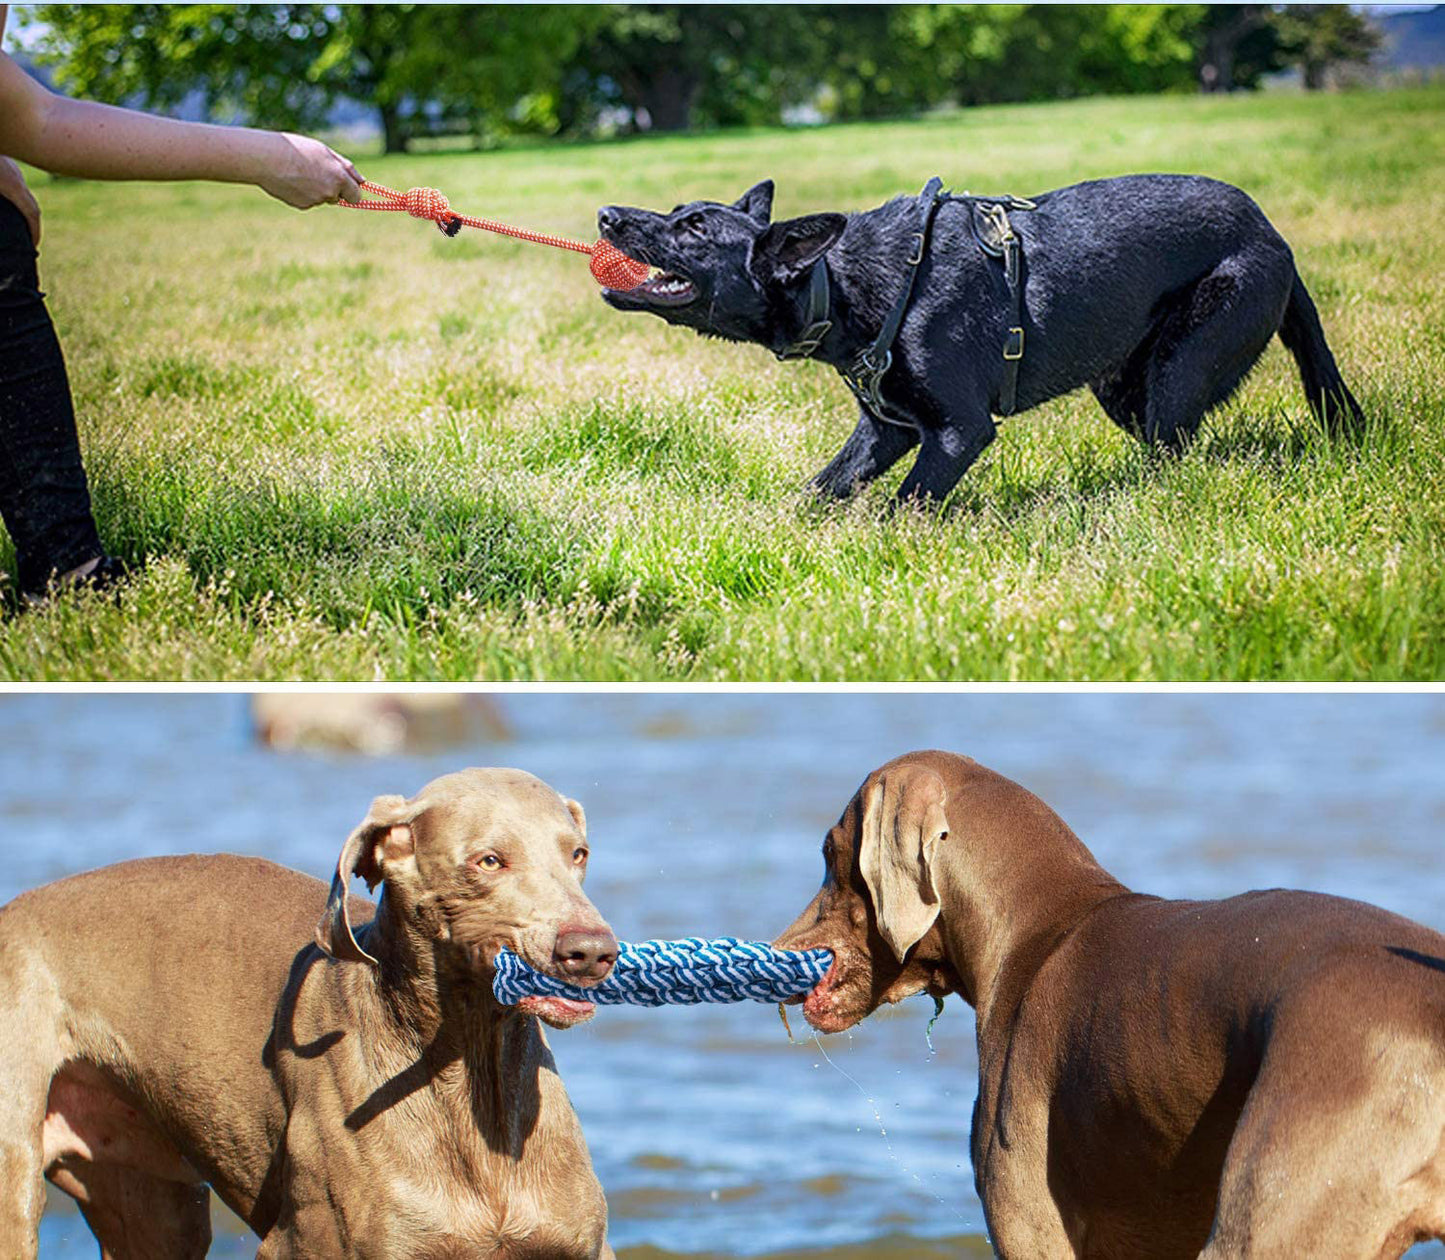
{"type": "Point", "coordinates": [918, 250]}
{"type": "Point", "coordinates": [998, 216]}
{"type": "Point", "coordinates": [866, 377]}
{"type": "Point", "coordinates": [1013, 348]}
{"type": "Point", "coordinates": [808, 341]}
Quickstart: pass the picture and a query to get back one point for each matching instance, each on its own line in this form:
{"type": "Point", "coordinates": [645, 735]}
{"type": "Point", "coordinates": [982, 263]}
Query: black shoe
{"type": "Point", "coordinates": [109, 571]}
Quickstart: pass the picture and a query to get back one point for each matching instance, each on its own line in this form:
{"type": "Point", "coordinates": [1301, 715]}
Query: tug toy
{"type": "Point", "coordinates": [677, 973]}
{"type": "Point", "coordinates": [610, 266]}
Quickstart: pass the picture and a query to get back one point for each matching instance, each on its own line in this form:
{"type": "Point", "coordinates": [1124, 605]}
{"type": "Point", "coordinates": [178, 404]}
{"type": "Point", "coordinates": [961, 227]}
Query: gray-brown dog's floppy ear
{"type": "Point", "coordinates": [903, 821]}
{"type": "Point", "coordinates": [578, 816]}
{"type": "Point", "coordinates": [757, 202]}
{"type": "Point", "coordinates": [359, 856]}
{"type": "Point", "coordinates": [787, 249]}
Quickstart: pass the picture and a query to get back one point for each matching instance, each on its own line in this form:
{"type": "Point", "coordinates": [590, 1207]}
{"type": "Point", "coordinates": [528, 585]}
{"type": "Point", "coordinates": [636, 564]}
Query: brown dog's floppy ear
{"type": "Point", "coordinates": [903, 821]}
{"type": "Point", "coordinates": [359, 856]}
{"type": "Point", "coordinates": [578, 816]}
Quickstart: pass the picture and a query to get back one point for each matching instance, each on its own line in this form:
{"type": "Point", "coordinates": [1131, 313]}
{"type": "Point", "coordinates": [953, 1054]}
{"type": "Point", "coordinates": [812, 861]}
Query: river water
{"type": "Point", "coordinates": [713, 1135]}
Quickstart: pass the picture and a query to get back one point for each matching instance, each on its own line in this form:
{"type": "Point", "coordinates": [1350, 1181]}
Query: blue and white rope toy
{"type": "Point", "coordinates": [677, 973]}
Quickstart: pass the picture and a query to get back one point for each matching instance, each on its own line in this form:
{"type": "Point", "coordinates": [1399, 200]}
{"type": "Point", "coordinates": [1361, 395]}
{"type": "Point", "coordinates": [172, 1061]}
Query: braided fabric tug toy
{"type": "Point", "coordinates": [677, 973]}
{"type": "Point", "coordinates": [609, 265]}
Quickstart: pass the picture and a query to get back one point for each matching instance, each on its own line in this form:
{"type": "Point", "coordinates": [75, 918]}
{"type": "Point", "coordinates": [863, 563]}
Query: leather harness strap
{"type": "Point", "coordinates": [1005, 244]}
{"type": "Point", "coordinates": [865, 376]}
{"type": "Point", "coordinates": [819, 302]}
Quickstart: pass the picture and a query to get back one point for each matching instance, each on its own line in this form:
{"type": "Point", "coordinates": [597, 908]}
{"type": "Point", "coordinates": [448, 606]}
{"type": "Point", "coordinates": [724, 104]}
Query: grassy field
{"type": "Point", "coordinates": [349, 448]}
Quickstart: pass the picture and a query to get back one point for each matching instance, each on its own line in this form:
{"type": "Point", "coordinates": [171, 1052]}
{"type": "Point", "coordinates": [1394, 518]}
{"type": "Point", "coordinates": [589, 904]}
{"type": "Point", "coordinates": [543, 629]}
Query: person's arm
{"type": "Point", "coordinates": [93, 141]}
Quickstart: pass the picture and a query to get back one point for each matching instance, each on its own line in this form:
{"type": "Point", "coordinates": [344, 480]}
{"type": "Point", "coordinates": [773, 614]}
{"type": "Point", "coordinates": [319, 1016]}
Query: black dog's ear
{"type": "Point", "coordinates": [787, 249]}
{"type": "Point", "coordinates": [757, 202]}
{"type": "Point", "coordinates": [384, 833]}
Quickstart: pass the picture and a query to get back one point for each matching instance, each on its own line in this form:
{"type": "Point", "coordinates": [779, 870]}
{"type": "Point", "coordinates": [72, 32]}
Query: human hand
{"type": "Point", "coordinates": [305, 173]}
{"type": "Point", "coordinates": [14, 189]}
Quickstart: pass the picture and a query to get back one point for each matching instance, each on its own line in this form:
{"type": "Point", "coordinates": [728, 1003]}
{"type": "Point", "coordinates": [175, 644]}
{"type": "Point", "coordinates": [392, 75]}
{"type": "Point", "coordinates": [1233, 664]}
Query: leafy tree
{"type": "Point", "coordinates": [677, 64]}
{"type": "Point", "coordinates": [550, 68]}
{"type": "Point", "coordinates": [1238, 45]}
{"type": "Point", "coordinates": [1318, 36]}
{"type": "Point", "coordinates": [471, 63]}
{"type": "Point", "coordinates": [886, 59]}
{"type": "Point", "coordinates": [285, 65]}
{"type": "Point", "coordinates": [248, 60]}
{"type": "Point", "coordinates": [877, 59]}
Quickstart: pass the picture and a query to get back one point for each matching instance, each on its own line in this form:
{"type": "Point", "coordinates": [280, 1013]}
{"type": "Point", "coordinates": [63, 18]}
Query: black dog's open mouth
{"type": "Point", "coordinates": [665, 288]}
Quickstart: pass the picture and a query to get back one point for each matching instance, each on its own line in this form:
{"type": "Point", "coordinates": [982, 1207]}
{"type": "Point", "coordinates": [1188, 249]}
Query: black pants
{"type": "Point", "coordinates": [44, 499]}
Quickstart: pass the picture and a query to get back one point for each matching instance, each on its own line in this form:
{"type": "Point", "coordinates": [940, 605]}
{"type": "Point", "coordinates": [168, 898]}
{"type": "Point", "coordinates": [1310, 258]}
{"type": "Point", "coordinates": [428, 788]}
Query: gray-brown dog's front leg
{"type": "Point", "coordinates": [871, 449]}
{"type": "Point", "coordinates": [22, 1199]}
{"type": "Point", "coordinates": [944, 456]}
{"type": "Point", "coordinates": [26, 1053]}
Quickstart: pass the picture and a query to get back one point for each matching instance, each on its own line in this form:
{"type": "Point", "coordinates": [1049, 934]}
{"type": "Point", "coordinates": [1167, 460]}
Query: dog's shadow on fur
{"type": "Point", "coordinates": [433, 1062]}
{"type": "Point", "coordinates": [1415, 956]}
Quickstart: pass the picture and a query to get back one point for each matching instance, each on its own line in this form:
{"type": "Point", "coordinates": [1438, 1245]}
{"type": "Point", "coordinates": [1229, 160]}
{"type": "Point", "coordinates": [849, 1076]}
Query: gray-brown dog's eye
{"type": "Point", "coordinates": [488, 862]}
{"type": "Point", "coordinates": [579, 857]}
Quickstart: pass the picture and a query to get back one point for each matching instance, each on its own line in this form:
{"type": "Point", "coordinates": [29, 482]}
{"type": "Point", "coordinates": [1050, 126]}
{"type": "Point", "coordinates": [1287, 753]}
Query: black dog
{"type": "Point", "coordinates": [1159, 292]}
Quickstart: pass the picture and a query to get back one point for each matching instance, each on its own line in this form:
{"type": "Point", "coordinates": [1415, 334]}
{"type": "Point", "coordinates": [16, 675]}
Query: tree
{"type": "Point", "coordinates": [285, 65]}
{"type": "Point", "coordinates": [1316, 37]}
{"type": "Point", "coordinates": [1239, 45]}
{"type": "Point", "coordinates": [876, 60]}
{"type": "Point", "coordinates": [250, 61]}
{"type": "Point", "coordinates": [915, 55]}
{"type": "Point", "coordinates": [670, 65]}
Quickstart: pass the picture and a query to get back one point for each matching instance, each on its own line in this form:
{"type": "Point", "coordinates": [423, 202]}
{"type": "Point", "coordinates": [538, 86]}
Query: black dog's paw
{"type": "Point", "coordinates": [831, 489]}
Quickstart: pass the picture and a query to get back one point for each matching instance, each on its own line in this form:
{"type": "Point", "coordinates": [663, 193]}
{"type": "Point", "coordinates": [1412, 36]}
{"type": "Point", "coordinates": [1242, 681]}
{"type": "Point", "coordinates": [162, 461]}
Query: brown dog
{"type": "Point", "coordinates": [1258, 1077]}
{"type": "Point", "coordinates": [172, 1026]}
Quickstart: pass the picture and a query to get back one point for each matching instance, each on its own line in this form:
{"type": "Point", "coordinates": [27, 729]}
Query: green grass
{"type": "Point", "coordinates": [349, 448]}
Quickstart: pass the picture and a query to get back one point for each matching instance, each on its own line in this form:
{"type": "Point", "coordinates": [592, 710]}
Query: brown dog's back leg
{"type": "Point", "coordinates": [139, 1217]}
{"type": "Point", "coordinates": [142, 1200]}
{"type": "Point", "coordinates": [1338, 1151]}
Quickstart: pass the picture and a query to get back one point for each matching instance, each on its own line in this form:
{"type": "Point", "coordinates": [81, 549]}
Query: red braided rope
{"type": "Point", "coordinates": [610, 266]}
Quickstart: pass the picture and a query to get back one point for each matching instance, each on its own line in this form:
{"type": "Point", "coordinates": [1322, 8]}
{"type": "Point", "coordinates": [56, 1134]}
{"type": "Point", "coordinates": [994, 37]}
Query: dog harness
{"type": "Point", "coordinates": [989, 222]}
{"type": "Point", "coordinates": [677, 973]}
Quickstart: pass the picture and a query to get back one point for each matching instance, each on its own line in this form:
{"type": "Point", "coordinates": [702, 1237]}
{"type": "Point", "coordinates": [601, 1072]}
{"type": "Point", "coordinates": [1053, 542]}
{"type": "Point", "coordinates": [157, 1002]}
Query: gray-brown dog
{"type": "Point", "coordinates": [1258, 1077]}
{"type": "Point", "coordinates": [172, 1027]}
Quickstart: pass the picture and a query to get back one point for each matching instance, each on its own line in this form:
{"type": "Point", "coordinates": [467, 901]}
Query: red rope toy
{"type": "Point", "coordinates": [610, 266]}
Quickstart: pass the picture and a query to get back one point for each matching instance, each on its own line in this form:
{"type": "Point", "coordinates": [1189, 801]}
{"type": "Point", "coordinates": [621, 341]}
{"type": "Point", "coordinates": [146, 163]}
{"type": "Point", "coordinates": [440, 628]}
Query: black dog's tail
{"type": "Point", "coordinates": [1329, 397]}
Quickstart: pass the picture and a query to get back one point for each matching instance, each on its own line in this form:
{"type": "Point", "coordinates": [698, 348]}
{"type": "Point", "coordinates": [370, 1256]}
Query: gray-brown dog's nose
{"type": "Point", "coordinates": [585, 954]}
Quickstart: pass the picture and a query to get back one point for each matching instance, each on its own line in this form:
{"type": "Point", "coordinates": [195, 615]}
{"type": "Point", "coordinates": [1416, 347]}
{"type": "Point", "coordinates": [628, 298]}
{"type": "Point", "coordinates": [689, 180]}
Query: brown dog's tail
{"type": "Point", "coordinates": [1328, 395]}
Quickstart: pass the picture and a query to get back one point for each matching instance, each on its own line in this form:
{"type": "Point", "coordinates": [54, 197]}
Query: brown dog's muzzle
{"type": "Point", "coordinates": [584, 955]}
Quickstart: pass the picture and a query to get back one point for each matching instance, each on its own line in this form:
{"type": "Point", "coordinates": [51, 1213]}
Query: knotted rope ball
{"type": "Point", "coordinates": [428, 203]}
{"type": "Point", "coordinates": [609, 265]}
{"type": "Point", "coordinates": [677, 973]}
{"type": "Point", "coordinates": [614, 269]}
